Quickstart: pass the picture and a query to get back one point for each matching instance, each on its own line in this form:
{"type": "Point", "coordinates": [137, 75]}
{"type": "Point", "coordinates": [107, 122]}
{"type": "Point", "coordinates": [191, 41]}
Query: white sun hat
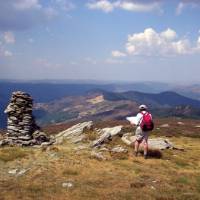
{"type": "Point", "coordinates": [141, 107]}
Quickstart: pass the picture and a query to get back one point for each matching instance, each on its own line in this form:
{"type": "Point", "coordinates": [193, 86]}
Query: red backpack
{"type": "Point", "coordinates": [146, 122]}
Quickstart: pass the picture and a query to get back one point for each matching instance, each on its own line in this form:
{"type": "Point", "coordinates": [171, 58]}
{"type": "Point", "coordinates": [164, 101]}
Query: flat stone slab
{"type": "Point", "coordinates": [119, 149]}
{"type": "Point", "coordinates": [154, 143]}
{"type": "Point", "coordinates": [106, 134]}
{"type": "Point", "coordinates": [73, 133]}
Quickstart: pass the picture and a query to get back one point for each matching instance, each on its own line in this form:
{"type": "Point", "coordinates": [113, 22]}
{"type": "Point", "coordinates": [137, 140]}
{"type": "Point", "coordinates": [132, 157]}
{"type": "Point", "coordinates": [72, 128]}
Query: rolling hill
{"type": "Point", "coordinates": [100, 104]}
{"type": "Point", "coordinates": [60, 102]}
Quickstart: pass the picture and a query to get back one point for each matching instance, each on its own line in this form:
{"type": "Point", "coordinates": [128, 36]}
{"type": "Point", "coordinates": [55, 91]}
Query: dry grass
{"type": "Point", "coordinates": [10, 154]}
{"type": "Point", "coordinates": [175, 176]}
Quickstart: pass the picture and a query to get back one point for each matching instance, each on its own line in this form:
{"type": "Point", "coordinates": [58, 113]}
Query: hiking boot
{"type": "Point", "coordinates": [145, 157]}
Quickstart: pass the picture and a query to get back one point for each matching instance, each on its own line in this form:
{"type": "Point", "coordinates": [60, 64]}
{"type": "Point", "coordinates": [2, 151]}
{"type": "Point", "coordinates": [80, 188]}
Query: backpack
{"type": "Point", "coordinates": [146, 123]}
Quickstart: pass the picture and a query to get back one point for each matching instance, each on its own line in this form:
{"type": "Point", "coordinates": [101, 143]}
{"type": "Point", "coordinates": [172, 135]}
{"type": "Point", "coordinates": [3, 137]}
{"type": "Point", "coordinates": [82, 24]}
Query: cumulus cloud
{"type": "Point", "coordinates": [118, 54]}
{"type": "Point", "coordinates": [169, 34]}
{"type": "Point", "coordinates": [165, 43]}
{"type": "Point", "coordinates": [9, 37]}
{"type": "Point", "coordinates": [135, 6]}
{"type": "Point", "coordinates": [103, 5]}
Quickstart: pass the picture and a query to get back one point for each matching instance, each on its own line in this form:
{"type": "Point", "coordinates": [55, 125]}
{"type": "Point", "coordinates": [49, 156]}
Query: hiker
{"type": "Point", "coordinates": [143, 121]}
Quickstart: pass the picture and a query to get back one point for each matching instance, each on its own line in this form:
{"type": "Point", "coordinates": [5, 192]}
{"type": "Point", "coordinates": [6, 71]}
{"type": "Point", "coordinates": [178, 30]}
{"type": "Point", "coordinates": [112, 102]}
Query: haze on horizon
{"type": "Point", "coordinates": [107, 40]}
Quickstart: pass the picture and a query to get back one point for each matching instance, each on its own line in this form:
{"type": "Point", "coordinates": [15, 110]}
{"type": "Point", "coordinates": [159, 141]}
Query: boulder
{"type": "Point", "coordinates": [164, 125]}
{"type": "Point", "coordinates": [106, 134]}
{"type": "Point", "coordinates": [119, 149]}
{"type": "Point", "coordinates": [154, 143]}
{"type": "Point", "coordinates": [97, 155]}
{"type": "Point", "coordinates": [74, 133]}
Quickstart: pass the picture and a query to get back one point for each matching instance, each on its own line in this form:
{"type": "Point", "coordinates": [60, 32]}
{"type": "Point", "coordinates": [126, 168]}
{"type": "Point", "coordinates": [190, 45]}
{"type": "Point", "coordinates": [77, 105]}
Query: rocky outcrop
{"type": "Point", "coordinates": [74, 133]}
{"type": "Point", "coordinates": [106, 134]}
{"type": "Point", "coordinates": [22, 129]}
{"type": "Point", "coordinates": [154, 143]}
{"type": "Point", "coordinates": [119, 149]}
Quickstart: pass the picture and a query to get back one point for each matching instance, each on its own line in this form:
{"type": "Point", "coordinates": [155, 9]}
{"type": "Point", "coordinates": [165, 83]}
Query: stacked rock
{"type": "Point", "coordinates": [19, 111]}
{"type": "Point", "coordinates": [21, 126]}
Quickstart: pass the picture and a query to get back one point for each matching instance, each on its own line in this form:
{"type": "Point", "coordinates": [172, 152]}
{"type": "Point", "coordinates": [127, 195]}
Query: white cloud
{"type": "Point", "coordinates": [90, 60]}
{"type": "Point", "coordinates": [50, 12]}
{"type": "Point", "coordinates": [104, 5]}
{"type": "Point", "coordinates": [25, 14]}
{"type": "Point", "coordinates": [180, 8]}
{"type": "Point", "coordinates": [118, 54]}
{"type": "Point", "coordinates": [4, 52]}
{"type": "Point", "coordinates": [169, 34]}
{"type": "Point", "coordinates": [165, 43]}
{"type": "Point", "coordinates": [9, 37]}
{"type": "Point", "coordinates": [184, 4]}
{"type": "Point", "coordinates": [8, 53]}
{"type": "Point", "coordinates": [27, 4]}
{"type": "Point", "coordinates": [65, 5]}
{"type": "Point", "coordinates": [139, 7]}
{"type": "Point", "coordinates": [135, 6]}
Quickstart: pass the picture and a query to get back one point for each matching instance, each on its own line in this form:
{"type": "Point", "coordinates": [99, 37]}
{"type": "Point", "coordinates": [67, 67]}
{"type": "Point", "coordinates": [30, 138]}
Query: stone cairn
{"type": "Point", "coordinates": [22, 129]}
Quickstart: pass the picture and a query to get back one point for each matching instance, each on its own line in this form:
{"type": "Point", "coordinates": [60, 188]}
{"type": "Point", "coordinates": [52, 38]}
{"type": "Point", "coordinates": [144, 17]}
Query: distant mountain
{"type": "Point", "coordinates": [90, 106]}
{"type": "Point", "coordinates": [68, 101]}
{"type": "Point", "coordinates": [191, 91]}
{"type": "Point", "coordinates": [163, 99]}
{"type": "Point", "coordinates": [41, 92]}
{"type": "Point", "coordinates": [100, 104]}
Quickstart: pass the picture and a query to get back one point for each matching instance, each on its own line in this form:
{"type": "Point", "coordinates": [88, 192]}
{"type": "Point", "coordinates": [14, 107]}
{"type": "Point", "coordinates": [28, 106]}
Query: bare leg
{"type": "Point", "coordinates": [145, 148]}
{"type": "Point", "coordinates": [137, 144]}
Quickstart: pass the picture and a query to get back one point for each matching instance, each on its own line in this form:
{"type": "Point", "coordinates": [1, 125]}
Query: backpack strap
{"type": "Point", "coordinates": [143, 114]}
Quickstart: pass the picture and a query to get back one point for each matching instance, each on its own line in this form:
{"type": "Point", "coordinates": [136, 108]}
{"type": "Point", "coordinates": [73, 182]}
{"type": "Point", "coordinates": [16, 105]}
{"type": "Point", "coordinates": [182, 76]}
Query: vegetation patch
{"type": "Point", "coordinates": [12, 153]}
{"type": "Point", "coordinates": [70, 171]}
{"type": "Point", "coordinates": [182, 180]}
{"type": "Point", "coordinates": [90, 135]}
{"type": "Point", "coordinates": [181, 163]}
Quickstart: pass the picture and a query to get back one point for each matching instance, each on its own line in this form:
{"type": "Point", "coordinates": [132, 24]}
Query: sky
{"type": "Point", "coordinates": [107, 40]}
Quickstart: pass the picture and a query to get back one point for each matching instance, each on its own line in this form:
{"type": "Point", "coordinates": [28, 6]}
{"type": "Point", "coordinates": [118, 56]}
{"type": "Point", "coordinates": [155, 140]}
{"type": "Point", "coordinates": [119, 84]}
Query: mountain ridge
{"type": "Point", "coordinates": [75, 99]}
{"type": "Point", "coordinates": [100, 104]}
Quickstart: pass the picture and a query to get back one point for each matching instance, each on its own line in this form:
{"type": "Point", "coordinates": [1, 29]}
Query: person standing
{"type": "Point", "coordinates": [144, 124]}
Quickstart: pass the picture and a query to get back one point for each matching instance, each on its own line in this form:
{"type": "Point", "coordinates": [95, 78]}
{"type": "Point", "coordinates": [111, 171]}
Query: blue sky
{"type": "Point", "coordinates": [121, 40]}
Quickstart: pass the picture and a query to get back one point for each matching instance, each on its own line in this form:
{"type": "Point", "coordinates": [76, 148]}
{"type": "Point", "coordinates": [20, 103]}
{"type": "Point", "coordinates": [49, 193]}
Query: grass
{"type": "Point", "coordinates": [10, 154]}
{"type": "Point", "coordinates": [174, 176]}
{"type": "Point", "coordinates": [182, 180]}
{"type": "Point", "coordinates": [69, 171]}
